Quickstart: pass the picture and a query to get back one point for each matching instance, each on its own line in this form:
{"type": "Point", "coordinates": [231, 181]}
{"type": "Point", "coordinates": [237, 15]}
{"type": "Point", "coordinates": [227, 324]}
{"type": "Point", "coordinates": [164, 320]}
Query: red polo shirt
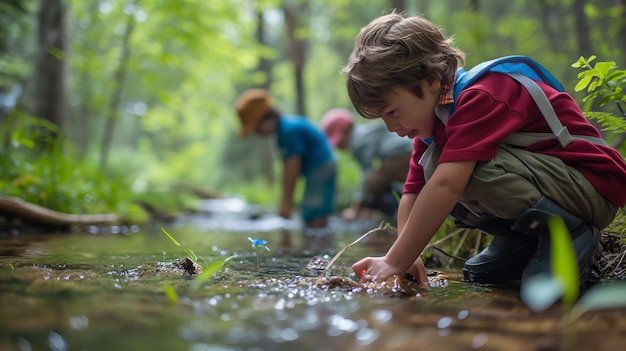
{"type": "Point", "coordinates": [496, 106]}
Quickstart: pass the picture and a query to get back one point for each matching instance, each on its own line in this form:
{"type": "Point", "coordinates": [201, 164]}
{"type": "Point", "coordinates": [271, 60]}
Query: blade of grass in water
{"type": "Point", "coordinates": [192, 255]}
{"type": "Point", "coordinates": [208, 272]}
{"type": "Point", "coordinates": [564, 263]}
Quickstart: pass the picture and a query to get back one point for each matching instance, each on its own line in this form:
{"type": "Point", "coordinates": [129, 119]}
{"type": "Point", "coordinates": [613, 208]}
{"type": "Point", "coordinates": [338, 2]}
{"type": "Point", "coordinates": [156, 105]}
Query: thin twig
{"type": "Point", "coordinates": [382, 225]}
{"type": "Point", "coordinates": [444, 238]}
{"type": "Point", "coordinates": [449, 255]}
{"type": "Point", "coordinates": [458, 247]}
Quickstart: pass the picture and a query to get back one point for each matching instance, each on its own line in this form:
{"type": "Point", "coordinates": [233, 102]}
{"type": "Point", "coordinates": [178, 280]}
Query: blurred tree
{"type": "Point", "coordinates": [51, 71]}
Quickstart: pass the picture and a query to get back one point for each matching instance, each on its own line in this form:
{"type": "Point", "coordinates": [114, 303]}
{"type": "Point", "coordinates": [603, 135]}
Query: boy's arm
{"type": "Point", "coordinates": [430, 208]}
{"type": "Point", "coordinates": [291, 172]}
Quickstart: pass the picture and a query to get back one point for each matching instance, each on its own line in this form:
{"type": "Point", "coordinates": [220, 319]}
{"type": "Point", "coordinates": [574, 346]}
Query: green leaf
{"type": "Point", "coordinates": [208, 272]}
{"type": "Point", "coordinates": [192, 255]}
{"type": "Point", "coordinates": [171, 237]}
{"type": "Point", "coordinates": [564, 262]}
{"type": "Point", "coordinates": [582, 84]}
{"type": "Point", "coordinates": [171, 294]}
{"type": "Point", "coordinates": [603, 68]}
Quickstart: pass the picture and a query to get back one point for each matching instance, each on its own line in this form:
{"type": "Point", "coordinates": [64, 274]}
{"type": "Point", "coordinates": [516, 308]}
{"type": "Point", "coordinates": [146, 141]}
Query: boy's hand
{"type": "Point", "coordinates": [375, 268]}
{"type": "Point", "coordinates": [418, 271]}
{"type": "Point", "coordinates": [378, 269]}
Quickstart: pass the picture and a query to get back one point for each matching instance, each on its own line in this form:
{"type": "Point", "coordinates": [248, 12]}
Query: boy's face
{"type": "Point", "coordinates": [266, 126]}
{"type": "Point", "coordinates": [408, 115]}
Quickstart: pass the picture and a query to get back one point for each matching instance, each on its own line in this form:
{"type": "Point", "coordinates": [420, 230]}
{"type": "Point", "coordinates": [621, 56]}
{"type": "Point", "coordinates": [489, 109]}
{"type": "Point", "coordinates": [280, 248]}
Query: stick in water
{"type": "Point", "coordinates": [382, 226]}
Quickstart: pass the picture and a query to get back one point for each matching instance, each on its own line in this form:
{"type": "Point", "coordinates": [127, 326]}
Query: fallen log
{"type": "Point", "coordinates": [15, 208]}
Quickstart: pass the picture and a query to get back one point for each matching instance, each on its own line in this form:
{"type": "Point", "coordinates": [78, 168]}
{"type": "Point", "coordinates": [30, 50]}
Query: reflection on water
{"type": "Point", "coordinates": [107, 292]}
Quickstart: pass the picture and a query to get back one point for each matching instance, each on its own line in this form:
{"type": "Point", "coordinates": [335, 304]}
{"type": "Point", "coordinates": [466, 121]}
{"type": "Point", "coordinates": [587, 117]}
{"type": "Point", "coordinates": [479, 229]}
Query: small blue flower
{"type": "Point", "coordinates": [258, 243]}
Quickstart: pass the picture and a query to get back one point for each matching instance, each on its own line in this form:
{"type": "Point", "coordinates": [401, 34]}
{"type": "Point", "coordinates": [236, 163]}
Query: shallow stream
{"type": "Point", "coordinates": [105, 289]}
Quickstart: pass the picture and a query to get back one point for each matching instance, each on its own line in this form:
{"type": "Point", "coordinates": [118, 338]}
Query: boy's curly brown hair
{"type": "Point", "coordinates": [396, 51]}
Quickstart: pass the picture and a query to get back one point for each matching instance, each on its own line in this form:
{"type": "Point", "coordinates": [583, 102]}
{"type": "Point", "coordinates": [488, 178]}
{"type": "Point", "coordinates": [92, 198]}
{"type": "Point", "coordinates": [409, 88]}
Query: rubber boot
{"type": "Point", "coordinates": [504, 258]}
{"type": "Point", "coordinates": [585, 238]}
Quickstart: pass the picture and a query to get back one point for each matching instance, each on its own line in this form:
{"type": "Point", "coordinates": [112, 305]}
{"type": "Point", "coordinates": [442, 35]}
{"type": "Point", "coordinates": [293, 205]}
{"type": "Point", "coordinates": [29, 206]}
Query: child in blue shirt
{"type": "Point", "coordinates": [304, 150]}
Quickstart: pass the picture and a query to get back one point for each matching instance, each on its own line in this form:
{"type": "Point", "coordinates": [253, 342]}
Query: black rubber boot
{"type": "Point", "coordinates": [504, 258]}
{"type": "Point", "coordinates": [585, 238]}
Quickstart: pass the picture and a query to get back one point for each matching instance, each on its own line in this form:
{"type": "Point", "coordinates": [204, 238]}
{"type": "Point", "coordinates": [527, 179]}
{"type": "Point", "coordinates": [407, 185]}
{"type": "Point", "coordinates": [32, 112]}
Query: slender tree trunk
{"type": "Point", "coordinates": [398, 5]}
{"type": "Point", "coordinates": [81, 117]}
{"type": "Point", "coordinates": [265, 66]}
{"type": "Point", "coordinates": [547, 19]}
{"type": "Point", "coordinates": [294, 12]}
{"type": "Point", "coordinates": [581, 28]}
{"type": "Point", "coordinates": [51, 70]}
{"type": "Point", "coordinates": [622, 28]}
{"type": "Point", "coordinates": [119, 79]}
{"type": "Point", "coordinates": [422, 7]}
{"type": "Point", "coordinates": [474, 5]}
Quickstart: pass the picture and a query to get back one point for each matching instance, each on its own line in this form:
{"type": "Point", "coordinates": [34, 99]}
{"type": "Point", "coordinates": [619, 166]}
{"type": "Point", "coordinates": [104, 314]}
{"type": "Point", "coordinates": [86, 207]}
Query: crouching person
{"type": "Point", "coordinates": [472, 159]}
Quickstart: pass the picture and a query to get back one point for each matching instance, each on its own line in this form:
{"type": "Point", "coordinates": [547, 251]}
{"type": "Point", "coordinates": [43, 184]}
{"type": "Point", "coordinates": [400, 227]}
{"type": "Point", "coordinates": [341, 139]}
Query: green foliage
{"type": "Point", "coordinates": [208, 269]}
{"type": "Point", "coordinates": [604, 83]}
{"type": "Point", "coordinates": [39, 168]}
{"type": "Point", "coordinates": [563, 260]}
{"type": "Point", "coordinates": [192, 255]}
{"type": "Point", "coordinates": [542, 291]}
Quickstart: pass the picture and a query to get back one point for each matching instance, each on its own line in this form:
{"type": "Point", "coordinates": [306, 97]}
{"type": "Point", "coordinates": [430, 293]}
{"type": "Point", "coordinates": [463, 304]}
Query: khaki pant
{"type": "Point", "coordinates": [515, 179]}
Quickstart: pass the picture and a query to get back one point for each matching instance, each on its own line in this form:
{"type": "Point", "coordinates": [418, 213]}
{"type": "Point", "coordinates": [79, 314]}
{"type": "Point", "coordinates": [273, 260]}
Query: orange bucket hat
{"type": "Point", "coordinates": [251, 106]}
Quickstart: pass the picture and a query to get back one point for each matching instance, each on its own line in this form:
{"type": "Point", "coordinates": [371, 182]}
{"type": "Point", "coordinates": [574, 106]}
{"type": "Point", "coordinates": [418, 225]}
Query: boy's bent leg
{"type": "Point", "coordinates": [517, 177]}
{"type": "Point", "coordinates": [585, 238]}
{"type": "Point", "coordinates": [504, 258]}
{"type": "Point", "coordinates": [501, 261]}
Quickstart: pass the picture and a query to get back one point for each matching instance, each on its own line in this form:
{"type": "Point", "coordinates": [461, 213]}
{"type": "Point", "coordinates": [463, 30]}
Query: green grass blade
{"type": "Point", "coordinates": [171, 294]}
{"type": "Point", "coordinates": [192, 255]}
{"type": "Point", "coordinates": [208, 272]}
{"type": "Point", "coordinates": [171, 237]}
{"type": "Point", "coordinates": [564, 263]}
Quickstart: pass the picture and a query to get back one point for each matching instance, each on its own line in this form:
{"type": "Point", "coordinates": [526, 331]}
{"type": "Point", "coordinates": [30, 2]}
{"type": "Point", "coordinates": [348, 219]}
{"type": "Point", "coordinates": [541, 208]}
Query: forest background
{"type": "Point", "coordinates": [117, 105]}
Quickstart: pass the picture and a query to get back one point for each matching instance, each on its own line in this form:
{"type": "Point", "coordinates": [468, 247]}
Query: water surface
{"type": "Point", "coordinates": [104, 289]}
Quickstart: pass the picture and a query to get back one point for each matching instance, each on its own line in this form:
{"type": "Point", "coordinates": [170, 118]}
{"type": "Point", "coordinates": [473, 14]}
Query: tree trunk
{"type": "Point", "coordinates": [294, 12]}
{"type": "Point", "coordinates": [51, 70]}
{"type": "Point", "coordinates": [118, 86]}
{"type": "Point", "coordinates": [398, 5]}
{"type": "Point", "coordinates": [622, 28]}
{"type": "Point", "coordinates": [581, 28]}
{"type": "Point", "coordinates": [548, 17]}
{"type": "Point", "coordinates": [474, 5]}
{"type": "Point", "coordinates": [265, 66]}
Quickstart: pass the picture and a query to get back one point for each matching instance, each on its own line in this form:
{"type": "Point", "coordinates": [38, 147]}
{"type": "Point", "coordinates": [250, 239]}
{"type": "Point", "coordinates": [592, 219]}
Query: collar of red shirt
{"type": "Point", "coordinates": [447, 94]}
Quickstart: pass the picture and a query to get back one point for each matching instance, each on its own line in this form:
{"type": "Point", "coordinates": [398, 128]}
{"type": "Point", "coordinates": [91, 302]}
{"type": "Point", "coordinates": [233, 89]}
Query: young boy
{"type": "Point", "coordinates": [305, 151]}
{"type": "Point", "coordinates": [383, 157]}
{"type": "Point", "coordinates": [403, 71]}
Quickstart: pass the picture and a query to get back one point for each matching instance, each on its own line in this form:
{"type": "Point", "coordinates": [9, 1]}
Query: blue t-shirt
{"type": "Point", "coordinates": [297, 135]}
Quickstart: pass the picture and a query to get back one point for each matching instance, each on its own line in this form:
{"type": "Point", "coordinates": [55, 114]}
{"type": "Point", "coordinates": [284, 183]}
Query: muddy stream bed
{"type": "Point", "coordinates": [105, 289]}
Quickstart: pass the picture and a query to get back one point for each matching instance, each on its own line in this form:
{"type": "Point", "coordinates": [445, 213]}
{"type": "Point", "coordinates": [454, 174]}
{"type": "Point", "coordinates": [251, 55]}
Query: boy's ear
{"type": "Point", "coordinates": [434, 83]}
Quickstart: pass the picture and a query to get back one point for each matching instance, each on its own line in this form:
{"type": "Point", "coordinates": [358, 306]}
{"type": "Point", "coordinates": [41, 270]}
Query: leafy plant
{"type": "Point", "coordinates": [207, 271]}
{"type": "Point", "coordinates": [605, 83]}
{"type": "Point", "coordinates": [542, 291]}
{"type": "Point", "coordinates": [192, 255]}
